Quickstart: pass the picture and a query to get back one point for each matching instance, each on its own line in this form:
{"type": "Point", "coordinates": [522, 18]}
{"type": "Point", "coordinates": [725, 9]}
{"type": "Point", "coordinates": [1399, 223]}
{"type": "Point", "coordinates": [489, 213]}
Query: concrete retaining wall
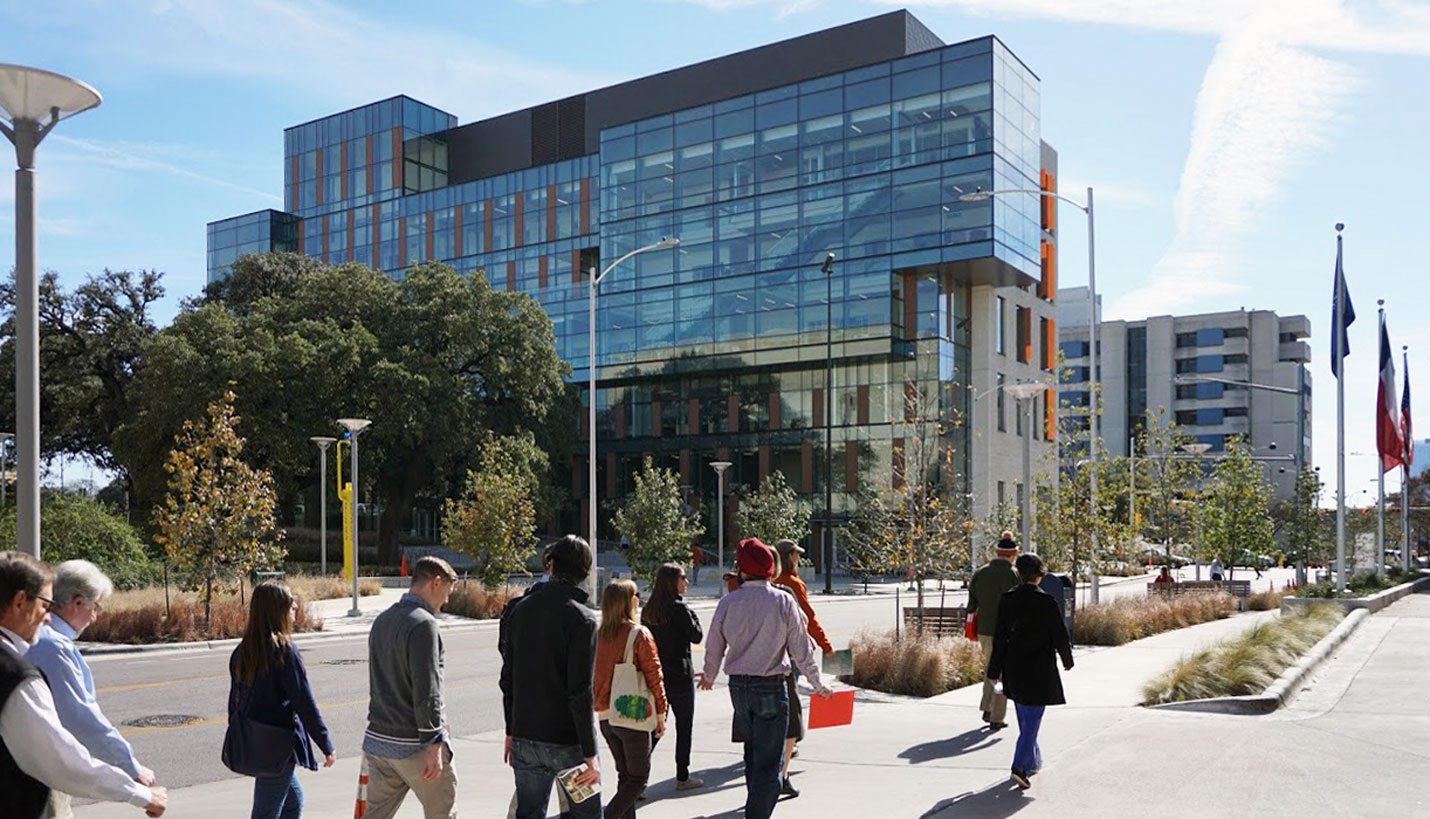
{"type": "Point", "coordinates": [1373, 604]}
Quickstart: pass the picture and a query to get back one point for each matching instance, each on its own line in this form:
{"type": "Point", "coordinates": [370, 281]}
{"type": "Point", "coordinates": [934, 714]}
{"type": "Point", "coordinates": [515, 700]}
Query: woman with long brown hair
{"type": "Point", "coordinates": [621, 639]}
{"type": "Point", "coordinates": [273, 719]}
{"type": "Point", "coordinates": [675, 628]}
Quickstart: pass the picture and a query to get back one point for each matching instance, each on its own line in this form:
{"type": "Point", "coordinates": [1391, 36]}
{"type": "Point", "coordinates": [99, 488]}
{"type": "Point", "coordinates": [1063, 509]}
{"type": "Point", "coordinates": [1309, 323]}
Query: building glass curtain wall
{"type": "Point", "coordinates": [715, 351]}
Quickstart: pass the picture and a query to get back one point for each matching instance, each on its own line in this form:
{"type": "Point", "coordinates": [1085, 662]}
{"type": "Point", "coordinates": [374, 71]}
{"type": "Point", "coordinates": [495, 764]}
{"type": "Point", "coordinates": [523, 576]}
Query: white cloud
{"type": "Point", "coordinates": [128, 156]}
{"type": "Point", "coordinates": [781, 8]}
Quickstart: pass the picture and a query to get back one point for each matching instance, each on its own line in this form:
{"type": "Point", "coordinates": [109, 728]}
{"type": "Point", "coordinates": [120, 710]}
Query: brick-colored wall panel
{"type": "Point", "coordinates": [585, 206]}
{"type": "Point", "coordinates": [318, 161]}
{"type": "Point", "coordinates": [818, 408]}
{"type": "Point", "coordinates": [764, 457]}
{"type": "Point", "coordinates": [457, 231]}
{"type": "Point", "coordinates": [343, 170]}
{"type": "Point", "coordinates": [541, 272]}
{"type": "Point", "coordinates": [732, 414]}
{"type": "Point", "coordinates": [851, 466]}
{"type": "Point", "coordinates": [397, 158]}
{"type": "Point", "coordinates": [519, 221]}
{"type": "Point", "coordinates": [861, 401]}
{"type": "Point", "coordinates": [692, 416]}
{"type": "Point", "coordinates": [775, 410]}
{"type": "Point", "coordinates": [806, 466]}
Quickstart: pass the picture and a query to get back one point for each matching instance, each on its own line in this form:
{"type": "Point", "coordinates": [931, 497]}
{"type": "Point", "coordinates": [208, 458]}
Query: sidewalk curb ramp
{"type": "Point", "coordinates": [1284, 689]}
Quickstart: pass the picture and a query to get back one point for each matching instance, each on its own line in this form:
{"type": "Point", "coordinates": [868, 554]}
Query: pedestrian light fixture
{"type": "Point", "coordinates": [354, 427]}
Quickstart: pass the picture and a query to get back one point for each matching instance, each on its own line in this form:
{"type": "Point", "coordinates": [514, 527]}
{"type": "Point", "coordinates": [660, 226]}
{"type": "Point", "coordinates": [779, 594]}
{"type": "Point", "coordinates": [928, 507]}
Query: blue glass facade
{"type": "Point", "coordinates": [716, 349]}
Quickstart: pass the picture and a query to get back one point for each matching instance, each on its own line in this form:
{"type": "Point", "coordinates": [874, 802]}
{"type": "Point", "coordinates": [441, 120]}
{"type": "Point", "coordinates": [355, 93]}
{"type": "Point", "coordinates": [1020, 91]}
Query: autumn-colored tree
{"type": "Point", "coordinates": [494, 521]}
{"type": "Point", "coordinates": [216, 524]}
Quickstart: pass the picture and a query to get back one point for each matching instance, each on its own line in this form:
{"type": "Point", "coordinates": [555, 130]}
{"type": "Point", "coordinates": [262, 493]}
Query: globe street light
{"type": "Point", "coordinates": [592, 281]}
{"type": "Point", "coordinates": [720, 467]}
{"type": "Point", "coordinates": [354, 426]}
{"type": "Point", "coordinates": [33, 101]}
{"type": "Point", "coordinates": [323, 444]}
{"type": "Point", "coordinates": [1024, 394]}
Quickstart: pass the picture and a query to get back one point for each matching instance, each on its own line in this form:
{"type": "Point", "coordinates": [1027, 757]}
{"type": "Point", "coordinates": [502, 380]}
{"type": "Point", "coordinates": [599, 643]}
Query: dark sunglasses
{"type": "Point", "coordinates": [50, 605]}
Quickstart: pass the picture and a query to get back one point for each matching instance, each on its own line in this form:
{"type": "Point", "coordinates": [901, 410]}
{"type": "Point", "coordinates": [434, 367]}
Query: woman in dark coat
{"type": "Point", "coordinates": [675, 628]}
{"type": "Point", "coordinates": [1030, 638]}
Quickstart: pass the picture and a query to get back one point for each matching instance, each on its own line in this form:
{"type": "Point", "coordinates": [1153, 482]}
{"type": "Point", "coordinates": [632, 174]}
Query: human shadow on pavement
{"type": "Point", "coordinates": [993, 802]}
{"type": "Point", "coordinates": [715, 779]}
{"type": "Point", "coordinates": [973, 740]}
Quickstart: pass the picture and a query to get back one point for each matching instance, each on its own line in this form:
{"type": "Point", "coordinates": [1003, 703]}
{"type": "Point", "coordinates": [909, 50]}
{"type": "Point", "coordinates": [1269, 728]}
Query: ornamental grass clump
{"type": "Point", "coordinates": [1246, 664]}
{"type": "Point", "coordinates": [1127, 619]}
{"type": "Point", "coordinates": [330, 587]}
{"type": "Point", "coordinates": [139, 617]}
{"type": "Point", "coordinates": [914, 665]}
{"type": "Point", "coordinates": [474, 600]}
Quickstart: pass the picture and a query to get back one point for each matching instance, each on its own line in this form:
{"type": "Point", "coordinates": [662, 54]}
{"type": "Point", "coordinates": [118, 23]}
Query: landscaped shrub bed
{"type": "Point", "coordinates": [472, 599]}
{"type": "Point", "coordinates": [1360, 584]}
{"type": "Point", "coordinates": [1132, 618]}
{"type": "Point", "coordinates": [139, 617]}
{"type": "Point", "coordinates": [1246, 664]}
{"type": "Point", "coordinates": [915, 665]}
{"type": "Point", "coordinates": [330, 587]}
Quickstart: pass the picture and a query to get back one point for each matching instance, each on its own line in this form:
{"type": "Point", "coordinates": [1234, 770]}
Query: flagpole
{"type": "Point", "coordinates": [1405, 461]}
{"type": "Point", "coordinates": [1339, 343]}
{"type": "Point", "coordinates": [1380, 472]}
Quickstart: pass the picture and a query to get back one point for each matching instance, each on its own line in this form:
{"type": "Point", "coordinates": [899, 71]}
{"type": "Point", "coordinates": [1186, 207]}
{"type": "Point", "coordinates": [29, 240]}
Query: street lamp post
{"type": "Point", "coordinates": [1093, 407]}
{"type": "Point", "coordinates": [323, 444]}
{"type": "Point", "coordinates": [1025, 393]}
{"type": "Point", "coordinates": [33, 101]}
{"type": "Point", "coordinates": [593, 280]}
{"type": "Point", "coordinates": [827, 553]}
{"type": "Point", "coordinates": [720, 467]}
{"type": "Point", "coordinates": [354, 426]}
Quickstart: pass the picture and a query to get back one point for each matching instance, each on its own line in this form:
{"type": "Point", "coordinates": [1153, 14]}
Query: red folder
{"type": "Point", "coordinates": [828, 713]}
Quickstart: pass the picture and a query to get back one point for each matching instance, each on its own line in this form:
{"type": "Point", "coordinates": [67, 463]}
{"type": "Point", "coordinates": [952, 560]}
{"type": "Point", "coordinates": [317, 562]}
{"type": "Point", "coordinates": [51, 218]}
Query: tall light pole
{"type": "Point", "coordinates": [1094, 408]}
{"type": "Point", "coordinates": [592, 281]}
{"type": "Point", "coordinates": [720, 467]}
{"type": "Point", "coordinates": [323, 444]}
{"type": "Point", "coordinates": [1024, 394]}
{"type": "Point", "coordinates": [354, 426]}
{"type": "Point", "coordinates": [5, 438]}
{"type": "Point", "coordinates": [826, 555]}
{"type": "Point", "coordinates": [33, 101]}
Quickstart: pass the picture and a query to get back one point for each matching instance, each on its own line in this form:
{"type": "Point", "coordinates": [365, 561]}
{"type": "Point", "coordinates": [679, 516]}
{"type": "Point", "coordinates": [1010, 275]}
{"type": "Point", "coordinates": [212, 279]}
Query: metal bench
{"type": "Point", "coordinates": [942, 622]}
{"type": "Point", "coordinates": [1240, 589]}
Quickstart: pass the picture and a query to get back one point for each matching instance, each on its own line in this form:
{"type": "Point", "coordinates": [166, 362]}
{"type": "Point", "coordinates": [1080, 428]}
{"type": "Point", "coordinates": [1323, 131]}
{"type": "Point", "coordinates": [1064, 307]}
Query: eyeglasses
{"type": "Point", "coordinates": [50, 605]}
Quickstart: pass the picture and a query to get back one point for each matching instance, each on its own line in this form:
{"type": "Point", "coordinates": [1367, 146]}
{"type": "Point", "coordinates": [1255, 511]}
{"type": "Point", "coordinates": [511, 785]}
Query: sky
{"type": "Point", "coordinates": [1223, 138]}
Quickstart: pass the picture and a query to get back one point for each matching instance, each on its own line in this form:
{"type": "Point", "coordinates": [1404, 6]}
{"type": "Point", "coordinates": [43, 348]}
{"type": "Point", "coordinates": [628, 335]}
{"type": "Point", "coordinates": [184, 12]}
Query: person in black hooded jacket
{"type": "Point", "coordinates": [1030, 639]}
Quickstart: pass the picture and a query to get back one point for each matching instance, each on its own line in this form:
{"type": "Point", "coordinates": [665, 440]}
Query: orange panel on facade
{"type": "Point", "coordinates": [318, 160]}
{"type": "Point", "coordinates": [732, 414]}
{"type": "Point", "coordinates": [402, 242]}
{"type": "Point", "coordinates": [818, 407]}
{"type": "Point", "coordinates": [520, 220]}
{"type": "Point", "coordinates": [806, 466]}
{"type": "Point", "coordinates": [511, 275]}
{"type": "Point", "coordinates": [775, 410]}
{"type": "Point", "coordinates": [293, 186]}
{"type": "Point", "coordinates": [369, 163]}
{"type": "Point", "coordinates": [541, 271]}
{"type": "Point", "coordinates": [325, 238]}
{"type": "Point", "coordinates": [764, 458]}
{"type": "Point", "coordinates": [911, 401]}
{"type": "Point", "coordinates": [851, 466]}
{"type": "Point", "coordinates": [861, 400]}
{"type": "Point", "coordinates": [685, 466]}
{"type": "Point", "coordinates": [343, 170]}
{"type": "Point", "coordinates": [897, 463]}
{"type": "Point", "coordinates": [431, 223]}
{"type": "Point", "coordinates": [487, 225]}
{"type": "Point", "coordinates": [457, 230]}
{"type": "Point", "coordinates": [620, 420]}
{"type": "Point", "coordinates": [301, 241]}
{"type": "Point", "coordinates": [397, 158]}
{"type": "Point", "coordinates": [550, 213]}
{"type": "Point", "coordinates": [585, 206]}
{"type": "Point", "coordinates": [692, 413]}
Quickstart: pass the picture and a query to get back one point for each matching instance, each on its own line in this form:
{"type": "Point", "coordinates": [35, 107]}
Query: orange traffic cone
{"type": "Point", "coordinates": [404, 564]}
{"type": "Point", "coordinates": [360, 808]}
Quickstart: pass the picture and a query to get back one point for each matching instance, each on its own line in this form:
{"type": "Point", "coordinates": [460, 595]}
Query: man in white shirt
{"type": "Point", "coordinates": [36, 753]}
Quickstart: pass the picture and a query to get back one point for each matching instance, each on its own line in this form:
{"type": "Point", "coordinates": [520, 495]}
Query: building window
{"type": "Point", "coordinates": [1002, 493]}
{"type": "Point", "coordinates": [1073, 349]}
{"type": "Point", "coordinates": [1025, 335]}
{"type": "Point", "coordinates": [1002, 403]}
{"type": "Point", "coordinates": [999, 331]}
{"type": "Point", "coordinates": [1234, 332]}
{"type": "Point", "coordinates": [1239, 358]}
{"type": "Point", "coordinates": [1046, 344]}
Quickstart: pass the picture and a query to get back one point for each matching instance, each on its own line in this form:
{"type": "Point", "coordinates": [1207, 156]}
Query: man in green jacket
{"type": "Point", "coordinates": [984, 591]}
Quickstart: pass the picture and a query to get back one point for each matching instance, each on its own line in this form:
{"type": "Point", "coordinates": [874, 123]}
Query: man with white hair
{"type": "Point", "coordinates": [80, 591]}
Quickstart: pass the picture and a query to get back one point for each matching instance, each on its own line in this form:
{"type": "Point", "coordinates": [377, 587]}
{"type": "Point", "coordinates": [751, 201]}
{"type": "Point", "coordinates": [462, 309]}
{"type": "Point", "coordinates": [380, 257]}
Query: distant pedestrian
{"type": "Point", "coordinates": [676, 628]}
{"type": "Point", "coordinates": [269, 686]}
{"type": "Point", "coordinates": [1164, 578]}
{"type": "Point", "coordinates": [788, 553]}
{"type": "Point", "coordinates": [81, 590]}
{"type": "Point", "coordinates": [546, 684]}
{"type": "Point", "coordinates": [1217, 573]}
{"type": "Point", "coordinates": [408, 744]}
{"type": "Point", "coordinates": [984, 591]}
{"type": "Point", "coordinates": [756, 632]}
{"type": "Point", "coordinates": [37, 753]}
{"type": "Point", "coordinates": [1030, 639]}
{"type": "Point", "coordinates": [697, 559]}
{"type": "Point", "coordinates": [621, 640]}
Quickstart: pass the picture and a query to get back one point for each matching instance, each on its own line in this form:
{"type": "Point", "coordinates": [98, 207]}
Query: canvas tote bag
{"type": "Point", "coordinates": [632, 705]}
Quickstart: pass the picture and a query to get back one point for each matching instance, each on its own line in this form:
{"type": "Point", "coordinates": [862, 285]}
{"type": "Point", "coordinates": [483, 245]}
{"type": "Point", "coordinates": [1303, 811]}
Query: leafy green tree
{"type": "Point", "coordinates": [1298, 520]}
{"type": "Point", "coordinates": [77, 526]}
{"type": "Point", "coordinates": [656, 522]}
{"type": "Point", "coordinates": [434, 359]}
{"type": "Point", "coordinates": [864, 547]}
{"type": "Point", "coordinates": [772, 512]}
{"type": "Point", "coordinates": [494, 521]}
{"type": "Point", "coordinates": [1172, 476]}
{"type": "Point", "coordinates": [1235, 510]}
{"type": "Point", "coordinates": [216, 524]}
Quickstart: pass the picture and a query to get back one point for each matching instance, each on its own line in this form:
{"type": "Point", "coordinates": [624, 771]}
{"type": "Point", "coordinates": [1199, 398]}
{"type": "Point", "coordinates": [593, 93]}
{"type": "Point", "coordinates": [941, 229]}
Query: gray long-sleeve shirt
{"type": "Point", "coordinates": [405, 711]}
{"type": "Point", "coordinates": [757, 630]}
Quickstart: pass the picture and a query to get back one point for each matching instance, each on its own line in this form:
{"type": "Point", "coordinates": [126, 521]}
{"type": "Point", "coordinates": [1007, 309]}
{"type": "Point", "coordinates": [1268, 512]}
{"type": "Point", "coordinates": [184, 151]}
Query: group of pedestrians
{"type": "Point", "coordinates": [55, 742]}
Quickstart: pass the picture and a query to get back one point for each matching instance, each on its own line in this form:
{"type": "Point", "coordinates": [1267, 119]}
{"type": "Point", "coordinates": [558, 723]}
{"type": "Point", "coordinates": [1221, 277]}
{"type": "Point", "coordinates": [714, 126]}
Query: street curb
{"type": "Point", "coordinates": [1283, 690]}
{"type": "Point", "coordinates": [108, 649]}
{"type": "Point", "coordinates": [1373, 604]}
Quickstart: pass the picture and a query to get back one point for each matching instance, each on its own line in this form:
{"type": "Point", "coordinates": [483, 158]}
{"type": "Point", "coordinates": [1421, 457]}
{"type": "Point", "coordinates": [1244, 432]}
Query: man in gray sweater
{"type": "Point", "coordinates": [406, 744]}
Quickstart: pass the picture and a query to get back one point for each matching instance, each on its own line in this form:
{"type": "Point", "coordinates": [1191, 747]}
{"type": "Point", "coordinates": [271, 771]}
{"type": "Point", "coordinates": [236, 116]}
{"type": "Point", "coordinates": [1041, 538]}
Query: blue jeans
{"type": "Point", "coordinates": [535, 765]}
{"type": "Point", "coordinates": [1026, 755]}
{"type": "Point", "coordinates": [761, 717]}
{"type": "Point", "coordinates": [277, 797]}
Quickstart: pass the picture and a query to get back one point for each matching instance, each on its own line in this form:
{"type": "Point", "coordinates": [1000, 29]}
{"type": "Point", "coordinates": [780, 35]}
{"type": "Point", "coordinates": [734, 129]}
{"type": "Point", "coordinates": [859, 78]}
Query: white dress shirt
{"type": "Point", "coordinates": [46, 751]}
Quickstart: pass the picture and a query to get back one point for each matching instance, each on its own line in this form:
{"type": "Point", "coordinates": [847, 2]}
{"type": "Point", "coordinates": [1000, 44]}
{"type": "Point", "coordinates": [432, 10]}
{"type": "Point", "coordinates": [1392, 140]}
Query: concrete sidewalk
{"type": "Point", "coordinates": [922, 751]}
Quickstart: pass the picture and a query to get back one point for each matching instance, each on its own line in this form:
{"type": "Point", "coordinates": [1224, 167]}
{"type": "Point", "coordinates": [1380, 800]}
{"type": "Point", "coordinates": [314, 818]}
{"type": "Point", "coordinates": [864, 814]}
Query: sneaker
{"type": "Point", "coordinates": [1022, 779]}
{"type": "Point", "coordinates": [640, 797]}
{"type": "Point", "coordinates": [788, 789]}
{"type": "Point", "coordinates": [794, 752]}
{"type": "Point", "coordinates": [689, 784]}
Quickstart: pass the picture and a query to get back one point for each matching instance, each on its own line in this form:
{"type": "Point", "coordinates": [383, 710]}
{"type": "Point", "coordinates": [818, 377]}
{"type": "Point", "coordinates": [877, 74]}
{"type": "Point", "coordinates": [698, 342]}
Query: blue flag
{"type": "Point", "coordinates": [1338, 326]}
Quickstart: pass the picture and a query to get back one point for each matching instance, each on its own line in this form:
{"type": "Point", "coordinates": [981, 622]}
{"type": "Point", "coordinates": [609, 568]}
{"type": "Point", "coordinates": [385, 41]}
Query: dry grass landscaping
{"type": "Point", "coordinates": [472, 599]}
{"type": "Point", "coordinates": [1132, 618]}
{"type": "Point", "coordinates": [138, 617]}
{"type": "Point", "coordinates": [1246, 664]}
{"type": "Point", "coordinates": [915, 665]}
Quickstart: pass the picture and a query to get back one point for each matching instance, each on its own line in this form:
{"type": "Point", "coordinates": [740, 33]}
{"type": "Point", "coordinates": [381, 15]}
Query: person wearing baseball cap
{"type": "Point", "coordinates": [984, 591]}
{"type": "Point", "coordinates": [756, 632]}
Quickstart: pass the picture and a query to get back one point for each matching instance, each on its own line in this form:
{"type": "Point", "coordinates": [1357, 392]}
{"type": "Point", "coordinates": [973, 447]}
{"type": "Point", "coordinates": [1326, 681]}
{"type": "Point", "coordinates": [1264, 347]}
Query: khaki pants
{"type": "Point", "coordinates": [59, 806]}
{"type": "Point", "coordinates": [389, 780]}
{"type": "Point", "coordinates": [993, 704]}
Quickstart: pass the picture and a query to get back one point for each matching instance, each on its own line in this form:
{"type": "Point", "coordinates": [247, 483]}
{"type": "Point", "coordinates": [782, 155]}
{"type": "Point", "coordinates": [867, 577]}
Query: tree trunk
{"type": "Point", "coordinates": [396, 504]}
{"type": "Point", "coordinates": [208, 604]}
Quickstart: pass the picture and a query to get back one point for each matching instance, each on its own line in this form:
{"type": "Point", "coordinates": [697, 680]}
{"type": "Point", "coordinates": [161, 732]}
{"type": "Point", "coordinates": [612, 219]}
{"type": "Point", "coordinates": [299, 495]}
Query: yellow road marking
{"type": "Point", "coordinates": [157, 683]}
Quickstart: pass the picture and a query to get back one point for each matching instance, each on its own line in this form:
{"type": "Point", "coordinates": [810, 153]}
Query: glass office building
{"type": "Point", "coordinates": [859, 141]}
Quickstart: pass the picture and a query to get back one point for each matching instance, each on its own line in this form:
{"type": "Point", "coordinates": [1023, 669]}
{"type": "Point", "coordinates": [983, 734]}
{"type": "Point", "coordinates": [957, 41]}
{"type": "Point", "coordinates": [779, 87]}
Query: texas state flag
{"type": "Point", "coordinates": [1387, 411]}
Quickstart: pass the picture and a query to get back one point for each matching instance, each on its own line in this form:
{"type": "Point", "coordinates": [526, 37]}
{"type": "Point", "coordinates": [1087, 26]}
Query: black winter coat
{"type": "Point", "coordinates": [673, 639]}
{"type": "Point", "coordinates": [1030, 638]}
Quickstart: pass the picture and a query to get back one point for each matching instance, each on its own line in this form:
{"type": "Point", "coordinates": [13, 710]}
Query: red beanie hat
{"type": "Point", "coordinates": [754, 558]}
